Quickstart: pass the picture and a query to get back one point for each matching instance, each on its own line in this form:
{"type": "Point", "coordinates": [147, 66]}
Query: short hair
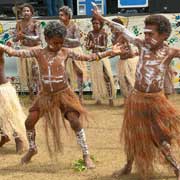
{"type": "Point", "coordinates": [26, 5]}
{"type": "Point", "coordinates": [54, 29]}
{"type": "Point", "coordinates": [101, 22]}
{"type": "Point", "coordinates": [161, 22]}
{"type": "Point", "coordinates": [67, 10]}
{"type": "Point", "coordinates": [118, 20]}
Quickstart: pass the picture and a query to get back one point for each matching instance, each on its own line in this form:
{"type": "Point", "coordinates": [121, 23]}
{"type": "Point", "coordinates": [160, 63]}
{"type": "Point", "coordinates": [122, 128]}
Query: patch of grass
{"type": "Point", "coordinates": [79, 165]}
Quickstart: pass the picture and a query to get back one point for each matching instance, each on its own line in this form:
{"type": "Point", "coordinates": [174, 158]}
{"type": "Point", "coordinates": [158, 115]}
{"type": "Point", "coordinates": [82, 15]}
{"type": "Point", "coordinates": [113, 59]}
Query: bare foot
{"type": "Point", "coordinates": [27, 157]}
{"type": "Point", "coordinates": [121, 105]}
{"type": "Point", "coordinates": [19, 145]}
{"type": "Point", "coordinates": [98, 102]}
{"type": "Point", "coordinates": [124, 171]}
{"type": "Point", "coordinates": [4, 140]}
{"type": "Point", "coordinates": [111, 103]}
{"type": "Point", "coordinates": [177, 172]}
{"type": "Point", "coordinates": [88, 162]}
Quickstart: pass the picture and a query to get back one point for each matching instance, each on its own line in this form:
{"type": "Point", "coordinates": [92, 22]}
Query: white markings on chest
{"type": "Point", "coordinates": [49, 78]}
{"type": "Point", "coordinates": [150, 70]}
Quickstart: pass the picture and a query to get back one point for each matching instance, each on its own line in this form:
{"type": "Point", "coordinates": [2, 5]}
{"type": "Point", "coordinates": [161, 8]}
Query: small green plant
{"type": "Point", "coordinates": [79, 165]}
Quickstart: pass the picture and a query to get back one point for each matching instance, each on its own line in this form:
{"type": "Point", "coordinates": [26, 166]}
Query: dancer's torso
{"type": "Point", "coordinates": [151, 69]}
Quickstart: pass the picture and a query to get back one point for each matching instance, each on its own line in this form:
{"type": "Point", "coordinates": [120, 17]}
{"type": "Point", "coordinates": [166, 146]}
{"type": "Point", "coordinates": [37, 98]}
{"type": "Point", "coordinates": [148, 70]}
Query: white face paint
{"type": "Point", "coordinates": [147, 30]}
{"type": "Point", "coordinates": [154, 42]}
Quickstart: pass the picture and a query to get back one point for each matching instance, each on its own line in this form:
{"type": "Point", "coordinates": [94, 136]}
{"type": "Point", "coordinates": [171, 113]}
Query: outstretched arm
{"type": "Point", "coordinates": [95, 56]}
{"type": "Point", "coordinates": [19, 53]}
{"type": "Point", "coordinates": [176, 52]}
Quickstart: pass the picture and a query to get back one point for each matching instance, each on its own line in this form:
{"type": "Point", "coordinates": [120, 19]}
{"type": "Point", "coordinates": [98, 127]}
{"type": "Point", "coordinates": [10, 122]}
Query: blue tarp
{"type": "Point", "coordinates": [132, 3]}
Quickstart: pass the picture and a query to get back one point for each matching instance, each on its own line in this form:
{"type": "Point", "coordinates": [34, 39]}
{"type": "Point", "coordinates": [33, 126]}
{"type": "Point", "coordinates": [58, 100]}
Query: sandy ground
{"type": "Point", "coordinates": [103, 140]}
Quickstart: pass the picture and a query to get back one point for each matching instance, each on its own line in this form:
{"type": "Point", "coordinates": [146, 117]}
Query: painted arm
{"type": "Point", "coordinates": [19, 53]}
{"type": "Point", "coordinates": [126, 33]}
{"type": "Point", "coordinates": [95, 56]}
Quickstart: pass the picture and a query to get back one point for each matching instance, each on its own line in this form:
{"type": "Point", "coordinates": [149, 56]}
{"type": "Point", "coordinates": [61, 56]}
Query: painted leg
{"type": "Point", "coordinates": [166, 151]}
{"type": "Point", "coordinates": [32, 147]}
{"type": "Point", "coordinates": [73, 118]}
{"type": "Point", "coordinates": [81, 139]}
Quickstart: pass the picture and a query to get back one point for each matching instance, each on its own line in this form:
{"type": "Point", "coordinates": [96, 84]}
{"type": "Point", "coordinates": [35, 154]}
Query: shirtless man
{"type": "Point", "coordinates": [101, 73]}
{"type": "Point", "coordinates": [147, 110]}
{"type": "Point", "coordinates": [28, 33]}
{"type": "Point", "coordinates": [56, 97]}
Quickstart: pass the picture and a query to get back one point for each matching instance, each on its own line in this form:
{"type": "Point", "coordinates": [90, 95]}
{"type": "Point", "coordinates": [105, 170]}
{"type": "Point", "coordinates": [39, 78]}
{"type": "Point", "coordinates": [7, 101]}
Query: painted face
{"type": "Point", "coordinates": [96, 25]}
{"type": "Point", "coordinates": [124, 45]}
{"type": "Point", "coordinates": [26, 13]}
{"type": "Point", "coordinates": [55, 43]}
{"type": "Point", "coordinates": [153, 39]}
{"type": "Point", "coordinates": [63, 17]}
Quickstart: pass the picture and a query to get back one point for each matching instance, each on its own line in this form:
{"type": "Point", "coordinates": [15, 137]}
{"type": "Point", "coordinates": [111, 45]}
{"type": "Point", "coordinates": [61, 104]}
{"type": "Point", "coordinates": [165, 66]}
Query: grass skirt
{"type": "Point", "coordinates": [126, 74]}
{"type": "Point", "coordinates": [52, 108]}
{"type": "Point", "coordinates": [12, 117]}
{"type": "Point", "coordinates": [99, 87]}
{"type": "Point", "coordinates": [70, 69]}
{"type": "Point", "coordinates": [149, 119]}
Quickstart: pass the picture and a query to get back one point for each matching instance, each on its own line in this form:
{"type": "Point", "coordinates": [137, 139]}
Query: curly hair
{"type": "Point", "coordinates": [54, 29]}
{"type": "Point", "coordinates": [161, 22]}
{"type": "Point", "coordinates": [101, 22]}
{"type": "Point", "coordinates": [26, 5]}
{"type": "Point", "coordinates": [67, 11]}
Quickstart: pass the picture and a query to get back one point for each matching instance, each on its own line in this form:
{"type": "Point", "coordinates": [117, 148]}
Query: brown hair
{"type": "Point", "coordinates": [27, 5]}
{"type": "Point", "coordinates": [161, 22]}
{"type": "Point", "coordinates": [66, 10]}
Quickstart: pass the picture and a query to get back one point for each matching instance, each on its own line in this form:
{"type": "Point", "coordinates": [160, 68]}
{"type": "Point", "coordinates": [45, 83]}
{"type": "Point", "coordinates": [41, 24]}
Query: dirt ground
{"type": "Point", "coordinates": [103, 140]}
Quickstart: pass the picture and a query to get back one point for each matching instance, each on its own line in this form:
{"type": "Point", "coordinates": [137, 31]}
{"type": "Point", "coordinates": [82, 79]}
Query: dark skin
{"type": "Point", "coordinates": [2, 74]}
{"type": "Point", "coordinates": [57, 55]}
{"type": "Point", "coordinates": [154, 41]}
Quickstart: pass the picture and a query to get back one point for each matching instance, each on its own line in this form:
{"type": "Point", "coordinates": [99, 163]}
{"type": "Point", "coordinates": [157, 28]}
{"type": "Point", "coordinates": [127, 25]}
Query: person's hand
{"type": "Point", "coordinates": [96, 12]}
{"type": "Point", "coordinates": [20, 36]}
{"type": "Point", "coordinates": [116, 49]}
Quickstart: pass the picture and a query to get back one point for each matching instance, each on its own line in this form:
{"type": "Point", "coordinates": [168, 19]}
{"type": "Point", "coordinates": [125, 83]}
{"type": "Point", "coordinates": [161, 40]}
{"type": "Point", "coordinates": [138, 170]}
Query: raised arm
{"type": "Point", "coordinates": [119, 27]}
{"type": "Point", "coordinates": [19, 53]}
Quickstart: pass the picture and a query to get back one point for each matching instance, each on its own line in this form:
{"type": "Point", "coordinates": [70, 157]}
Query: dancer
{"type": "Point", "coordinates": [28, 33]}
{"type": "Point", "coordinates": [151, 122]}
{"type": "Point", "coordinates": [101, 74]}
{"type": "Point", "coordinates": [12, 116]}
{"type": "Point", "coordinates": [126, 66]}
{"type": "Point", "coordinates": [56, 97]}
{"type": "Point", "coordinates": [76, 70]}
